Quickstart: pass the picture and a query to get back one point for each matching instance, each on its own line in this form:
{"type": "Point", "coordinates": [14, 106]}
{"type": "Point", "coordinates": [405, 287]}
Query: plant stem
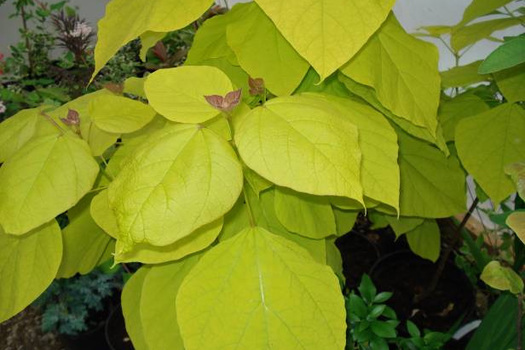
{"type": "Point", "coordinates": [446, 254]}
{"type": "Point", "coordinates": [250, 213]}
{"type": "Point", "coordinates": [509, 12]}
{"type": "Point", "coordinates": [519, 322]}
{"type": "Point", "coordinates": [28, 42]}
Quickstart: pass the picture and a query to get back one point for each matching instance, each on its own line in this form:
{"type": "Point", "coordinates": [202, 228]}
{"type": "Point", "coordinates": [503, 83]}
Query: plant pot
{"type": "Point", "coordinates": [408, 276]}
{"type": "Point", "coordinates": [90, 340]}
{"type": "Point", "coordinates": [358, 254]}
{"type": "Point", "coordinates": [116, 335]}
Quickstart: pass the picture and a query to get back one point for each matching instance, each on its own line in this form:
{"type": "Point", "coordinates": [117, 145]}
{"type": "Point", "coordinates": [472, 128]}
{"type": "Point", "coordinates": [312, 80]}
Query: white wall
{"type": "Point", "coordinates": [411, 13]}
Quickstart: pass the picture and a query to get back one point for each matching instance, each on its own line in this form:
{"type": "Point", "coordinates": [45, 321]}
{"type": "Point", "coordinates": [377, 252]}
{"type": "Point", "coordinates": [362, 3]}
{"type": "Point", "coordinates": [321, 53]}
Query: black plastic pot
{"type": "Point", "coordinates": [116, 335]}
{"type": "Point", "coordinates": [408, 276]}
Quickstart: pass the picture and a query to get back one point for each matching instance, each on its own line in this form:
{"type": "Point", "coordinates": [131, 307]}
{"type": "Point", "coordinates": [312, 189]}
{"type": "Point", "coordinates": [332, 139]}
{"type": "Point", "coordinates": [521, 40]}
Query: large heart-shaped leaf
{"type": "Point", "coordinates": [327, 33]}
{"type": "Point", "coordinates": [43, 179]}
{"type": "Point", "coordinates": [266, 291]}
{"type": "Point", "coordinates": [294, 143]}
{"type": "Point", "coordinates": [181, 179]}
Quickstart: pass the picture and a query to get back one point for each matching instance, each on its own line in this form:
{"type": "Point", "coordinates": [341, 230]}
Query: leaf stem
{"type": "Point", "coordinates": [52, 121]}
{"type": "Point", "coordinates": [248, 205]}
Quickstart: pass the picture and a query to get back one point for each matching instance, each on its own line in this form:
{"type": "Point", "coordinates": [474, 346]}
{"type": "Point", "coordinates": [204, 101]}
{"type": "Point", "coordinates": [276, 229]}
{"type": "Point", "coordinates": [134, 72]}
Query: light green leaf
{"type": "Point", "coordinates": [124, 22]}
{"type": "Point", "coordinates": [263, 209]}
{"type": "Point", "coordinates": [131, 298]}
{"type": "Point", "coordinates": [146, 253]}
{"type": "Point", "coordinates": [103, 215]}
{"type": "Point", "coordinates": [210, 40]}
{"type": "Point", "coordinates": [425, 240]}
{"type": "Point", "coordinates": [294, 143]}
{"type": "Point", "coordinates": [468, 35]}
{"type": "Point", "coordinates": [256, 182]}
{"type": "Point", "coordinates": [508, 55]}
{"type": "Point", "coordinates": [378, 144]}
{"type": "Point", "coordinates": [433, 31]}
{"type": "Point", "coordinates": [264, 53]}
{"type": "Point", "coordinates": [517, 173]}
{"type": "Point", "coordinates": [368, 94]}
{"type": "Point", "coordinates": [116, 114]}
{"type": "Point", "coordinates": [502, 130]}
{"type": "Point", "coordinates": [403, 71]}
{"type": "Point", "coordinates": [237, 75]}
{"type": "Point", "coordinates": [516, 221]}
{"type": "Point", "coordinates": [148, 40]}
{"type": "Point", "coordinates": [344, 220]}
{"type": "Point", "coordinates": [183, 178]}
{"type": "Point", "coordinates": [432, 185]}
{"type": "Point", "coordinates": [85, 243]}
{"type": "Point", "coordinates": [320, 30]}
{"type": "Point", "coordinates": [451, 112]}
{"type": "Point", "coordinates": [331, 85]}
{"type": "Point", "coordinates": [44, 178]}
{"type": "Point", "coordinates": [462, 76]}
{"type": "Point", "coordinates": [135, 86]}
{"type": "Point", "coordinates": [511, 82]}
{"type": "Point", "coordinates": [220, 126]}
{"type": "Point", "coordinates": [403, 225]}
{"type": "Point", "coordinates": [334, 259]}
{"type": "Point", "coordinates": [502, 278]}
{"type": "Point", "coordinates": [98, 139]}
{"type": "Point", "coordinates": [307, 215]}
{"type": "Point", "coordinates": [479, 8]}
{"type": "Point", "coordinates": [178, 93]}
{"type": "Point", "coordinates": [28, 265]}
{"type": "Point", "coordinates": [157, 304]}
{"type": "Point", "coordinates": [18, 129]}
{"type": "Point", "coordinates": [235, 220]}
{"type": "Point", "coordinates": [266, 291]}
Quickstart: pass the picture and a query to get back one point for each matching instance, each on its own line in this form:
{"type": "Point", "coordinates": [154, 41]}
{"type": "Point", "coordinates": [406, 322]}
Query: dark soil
{"type": "Point", "coordinates": [23, 332]}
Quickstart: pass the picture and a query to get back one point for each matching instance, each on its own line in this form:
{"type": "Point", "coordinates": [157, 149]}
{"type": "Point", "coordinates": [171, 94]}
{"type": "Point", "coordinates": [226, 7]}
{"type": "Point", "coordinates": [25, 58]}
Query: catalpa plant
{"type": "Point", "coordinates": [229, 178]}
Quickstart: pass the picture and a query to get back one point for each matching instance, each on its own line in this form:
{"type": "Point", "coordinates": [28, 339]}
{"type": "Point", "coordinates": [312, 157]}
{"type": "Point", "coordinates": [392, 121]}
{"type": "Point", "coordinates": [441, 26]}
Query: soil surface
{"type": "Point", "coordinates": [23, 332]}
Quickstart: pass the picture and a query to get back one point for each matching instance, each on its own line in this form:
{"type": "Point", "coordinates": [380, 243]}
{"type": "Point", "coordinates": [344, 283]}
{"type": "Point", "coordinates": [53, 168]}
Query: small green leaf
{"type": "Point", "coordinates": [148, 40]}
{"type": "Point", "coordinates": [508, 55]}
{"type": "Point", "coordinates": [383, 329]}
{"type": "Point", "coordinates": [425, 240]}
{"type": "Point", "coordinates": [502, 130]}
{"type": "Point", "coordinates": [357, 306]}
{"type": "Point", "coordinates": [479, 8]}
{"type": "Point", "coordinates": [178, 93]}
{"type": "Point", "coordinates": [471, 34]}
{"type": "Point", "coordinates": [43, 179]}
{"type": "Point", "coordinates": [367, 289]}
{"type": "Point", "coordinates": [413, 330]}
{"type": "Point", "coordinates": [238, 285]}
{"type": "Point", "coordinates": [382, 297]}
{"type": "Point", "coordinates": [376, 311]}
{"type": "Point", "coordinates": [461, 76]}
{"type": "Point", "coordinates": [344, 220]}
{"type": "Point", "coordinates": [28, 265]}
{"type": "Point", "coordinates": [403, 225]}
{"type": "Point", "coordinates": [511, 81]}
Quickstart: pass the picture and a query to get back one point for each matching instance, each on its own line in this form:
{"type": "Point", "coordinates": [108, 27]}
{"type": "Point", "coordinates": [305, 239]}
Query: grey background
{"type": "Point", "coordinates": [411, 13]}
